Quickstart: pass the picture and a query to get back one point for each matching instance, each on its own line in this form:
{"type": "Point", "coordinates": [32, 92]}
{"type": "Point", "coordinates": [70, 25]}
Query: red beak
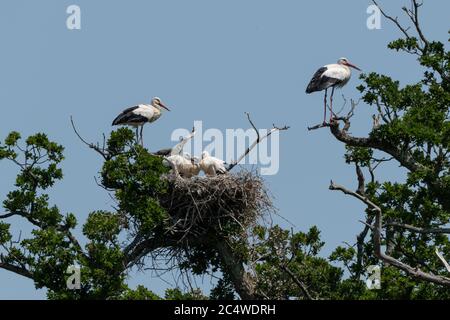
{"type": "Point", "coordinates": [353, 66]}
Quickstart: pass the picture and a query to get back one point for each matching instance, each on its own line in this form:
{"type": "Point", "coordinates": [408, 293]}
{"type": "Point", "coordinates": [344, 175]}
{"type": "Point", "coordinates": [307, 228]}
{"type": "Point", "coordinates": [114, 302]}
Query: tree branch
{"type": "Point", "coordinates": [441, 257]}
{"type": "Point", "coordinates": [394, 20]}
{"type": "Point", "coordinates": [61, 228]}
{"type": "Point", "coordinates": [419, 230]}
{"type": "Point", "coordinates": [6, 215]}
{"type": "Point", "coordinates": [361, 181]}
{"type": "Point", "coordinates": [402, 156]}
{"type": "Point", "coordinates": [360, 244]}
{"type": "Point", "coordinates": [99, 150]}
{"type": "Point", "coordinates": [414, 272]}
{"type": "Point", "coordinates": [300, 284]}
{"type": "Point", "coordinates": [413, 14]}
{"type": "Point", "coordinates": [257, 141]}
{"type": "Point", "coordinates": [18, 270]}
{"type": "Point", "coordinates": [243, 282]}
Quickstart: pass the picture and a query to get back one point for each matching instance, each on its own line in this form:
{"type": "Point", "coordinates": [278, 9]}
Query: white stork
{"type": "Point", "coordinates": [212, 165]}
{"type": "Point", "coordinates": [139, 115]}
{"type": "Point", "coordinates": [332, 75]}
{"type": "Point", "coordinates": [182, 163]}
{"type": "Point", "coordinates": [194, 168]}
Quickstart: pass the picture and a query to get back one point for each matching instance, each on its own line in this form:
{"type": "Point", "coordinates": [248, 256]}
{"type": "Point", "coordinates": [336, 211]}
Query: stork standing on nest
{"type": "Point", "coordinates": [139, 115]}
{"type": "Point", "coordinates": [332, 75]}
{"type": "Point", "coordinates": [211, 165]}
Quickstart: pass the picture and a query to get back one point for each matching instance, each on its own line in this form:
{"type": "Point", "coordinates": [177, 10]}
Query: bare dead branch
{"type": "Point", "coordinates": [99, 150]}
{"type": "Point", "coordinates": [413, 14]}
{"type": "Point", "coordinates": [419, 230]}
{"type": "Point", "coordinates": [256, 142]}
{"type": "Point", "coordinates": [361, 181]}
{"type": "Point", "coordinates": [336, 119]}
{"type": "Point", "coordinates": [337, 113]}
{"type": "Point", "coordinates": [377, 227]}
{"type": "Point", "coordinates": [318, 126]}
{"type": "Point", "coordinates": [253, 125]}
{"type": "Point", "coordinates": [394, 20]}
{"type": "Point", "coordinates": [441, 257]}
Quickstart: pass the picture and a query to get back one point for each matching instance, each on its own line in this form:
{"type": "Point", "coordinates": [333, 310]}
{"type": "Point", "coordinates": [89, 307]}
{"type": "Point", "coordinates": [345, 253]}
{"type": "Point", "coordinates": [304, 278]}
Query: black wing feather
{"type": "Point", "coordinates": [319, 82]}
{"type": "Point", "coordinates": [128, 117]}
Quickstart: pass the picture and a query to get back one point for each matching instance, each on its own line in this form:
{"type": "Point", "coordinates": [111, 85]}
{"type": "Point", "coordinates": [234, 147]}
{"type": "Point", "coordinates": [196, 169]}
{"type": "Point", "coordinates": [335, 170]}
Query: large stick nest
{"type": "Point", "coordinates": [201, 205]}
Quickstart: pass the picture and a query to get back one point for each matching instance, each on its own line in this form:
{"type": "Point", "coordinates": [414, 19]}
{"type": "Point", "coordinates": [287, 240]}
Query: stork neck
{"type": "Point", "coordinates": [157, 112]}
{"type": "Point", "coordinates": [346, 67]}
{"type": "Point", "coordinates": [158, 108]}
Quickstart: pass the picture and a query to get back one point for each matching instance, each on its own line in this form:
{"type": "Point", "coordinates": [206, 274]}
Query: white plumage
{"type": "Point", "coordinates": [339, 72]}
{"type": "Point", "coordinates": [212, 165]}
{"type": "Point", "coordinates": [194, 168]}
{"type": "Point", "coordinates": [334, 75]}
{"type": "Point", "coordinates": [140, 114]}
{"type": "Point", "coordinates": [148, 113]}
{"type": "Point", "coordinates": [182, 163]}
{"type": "Point", "coordinates": [183, 166]}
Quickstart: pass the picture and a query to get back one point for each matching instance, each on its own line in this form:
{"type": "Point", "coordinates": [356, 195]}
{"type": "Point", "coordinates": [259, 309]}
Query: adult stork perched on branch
{"type": "Point", "coordinates": [331, 75]}
{"type": "Point", "coordinates": [139, 115]}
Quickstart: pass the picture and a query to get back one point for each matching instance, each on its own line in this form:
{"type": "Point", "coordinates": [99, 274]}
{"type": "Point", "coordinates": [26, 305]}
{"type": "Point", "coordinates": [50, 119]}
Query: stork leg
{"type": "Point", "coordinates": [331, 105]}
{"type": "Point", "coordinates": [142, 135]}
{"type": "Point", "coordinates": [137, 134]}
{"type": "Point", "coordinates": [325, 107]}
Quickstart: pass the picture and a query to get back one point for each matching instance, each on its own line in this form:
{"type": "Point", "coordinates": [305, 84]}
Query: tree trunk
{"type": "Point", "coordinates": [243, 282]}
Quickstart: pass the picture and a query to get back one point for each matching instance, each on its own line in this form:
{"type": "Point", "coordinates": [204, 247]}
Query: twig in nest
{"type": "Point", "coordinates": [201, 206]}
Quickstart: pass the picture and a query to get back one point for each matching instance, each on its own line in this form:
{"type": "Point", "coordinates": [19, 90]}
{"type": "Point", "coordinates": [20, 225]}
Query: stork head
{"type": "Point", "coordinates": [345, 62]}
{"type": "Point", "coordinates": [195, 161]}
{"type": "Point", "coordinates": [157, 103]}
{"type": "Point", "coordinates": [205, 154]}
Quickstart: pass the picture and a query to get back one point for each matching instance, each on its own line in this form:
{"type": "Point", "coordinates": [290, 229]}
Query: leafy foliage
{"type": "Point", "coordinates": [251, 260]}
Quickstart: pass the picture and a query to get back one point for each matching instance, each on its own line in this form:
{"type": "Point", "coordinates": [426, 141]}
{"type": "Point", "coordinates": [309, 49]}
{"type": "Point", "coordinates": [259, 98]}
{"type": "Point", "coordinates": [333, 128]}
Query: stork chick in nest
{"type": "Point", "coordinates": [194, 168]}
{"type": "Point", "coordinates": [212, 166]}
{"type": "Point", "coordinates": [183, 165]}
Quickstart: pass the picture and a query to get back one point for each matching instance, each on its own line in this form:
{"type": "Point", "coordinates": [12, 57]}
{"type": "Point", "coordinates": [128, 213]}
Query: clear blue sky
{"type": "Point", "coordinates": [210, 61]}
